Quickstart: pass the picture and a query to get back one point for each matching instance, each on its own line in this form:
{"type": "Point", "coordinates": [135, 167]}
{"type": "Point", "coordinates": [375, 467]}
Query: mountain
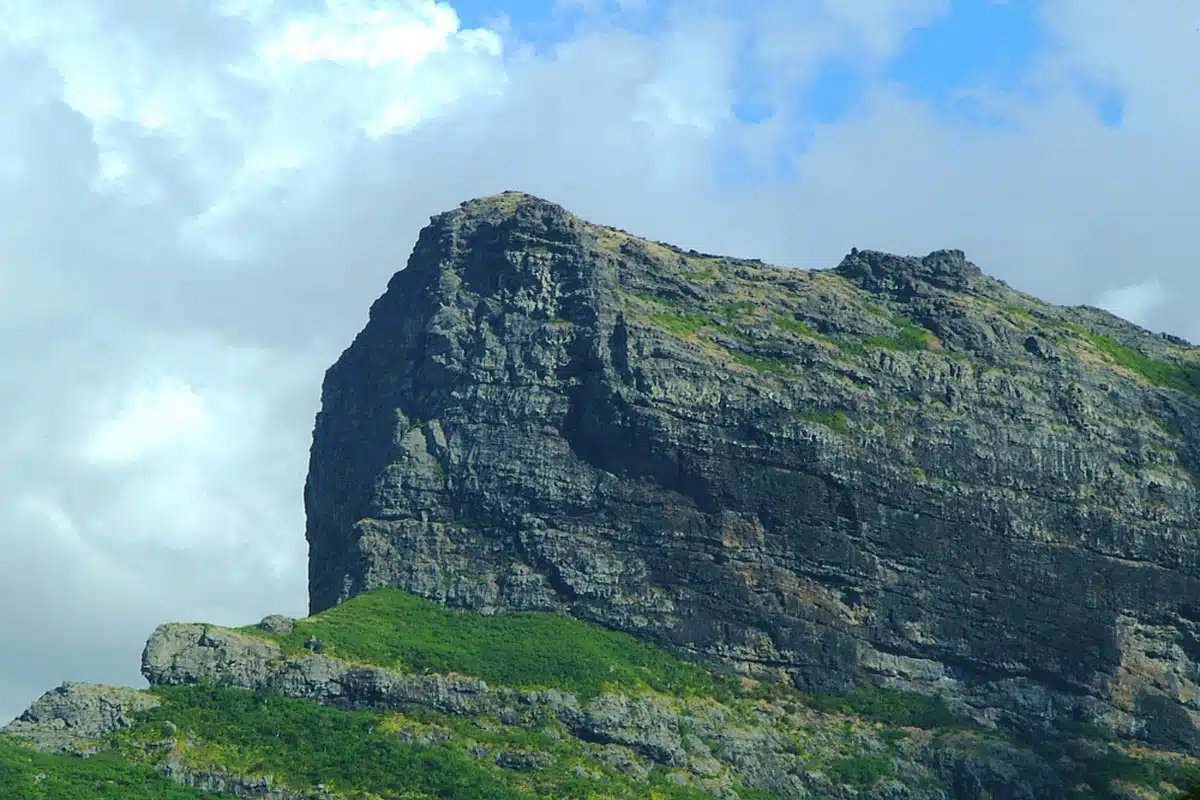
{"type": "Point", "coordinates": [595, 516]}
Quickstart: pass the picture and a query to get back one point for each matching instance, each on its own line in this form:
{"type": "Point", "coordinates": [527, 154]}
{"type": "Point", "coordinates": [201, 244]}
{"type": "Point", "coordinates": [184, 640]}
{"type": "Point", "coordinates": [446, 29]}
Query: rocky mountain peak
{"type": "Point", "coordinates": [903, 277]}
{"type": "Point", "coordinates": [882, 472]}
{"type": "Point", "coordinates": [730, 491]}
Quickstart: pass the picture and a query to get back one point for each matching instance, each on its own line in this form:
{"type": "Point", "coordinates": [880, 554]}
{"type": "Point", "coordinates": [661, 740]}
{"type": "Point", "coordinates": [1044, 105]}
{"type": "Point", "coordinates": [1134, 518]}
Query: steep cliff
{"type": "Point", "coordinates": [898, 471]}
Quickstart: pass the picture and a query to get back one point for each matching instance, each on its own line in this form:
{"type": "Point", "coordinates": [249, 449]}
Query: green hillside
{"type": "Point", "coordinates": [866, 738]}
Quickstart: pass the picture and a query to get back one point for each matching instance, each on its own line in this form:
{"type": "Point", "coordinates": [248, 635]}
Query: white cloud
{"type": "Point", "coordinates": [1134, 302]}
{"type": "Point", "coordinates": [150, 422]}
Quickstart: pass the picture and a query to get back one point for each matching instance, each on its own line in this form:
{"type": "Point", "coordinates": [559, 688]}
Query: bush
{"type": "Point", "coordinates": [908, 709]}
{"type": "Point", "coordinates": [861, 770]}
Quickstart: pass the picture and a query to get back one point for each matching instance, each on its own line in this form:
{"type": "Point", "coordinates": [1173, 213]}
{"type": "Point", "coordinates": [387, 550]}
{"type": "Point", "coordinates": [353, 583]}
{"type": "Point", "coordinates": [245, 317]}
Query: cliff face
{"type": "Point", "coordinates": [899, 470]}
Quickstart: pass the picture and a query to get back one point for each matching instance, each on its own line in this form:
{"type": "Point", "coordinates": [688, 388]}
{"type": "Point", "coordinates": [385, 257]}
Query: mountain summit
{"type": "Point", "coordinates": [595, 516]}
{"type": "Point", "coordinates": [899, 470]}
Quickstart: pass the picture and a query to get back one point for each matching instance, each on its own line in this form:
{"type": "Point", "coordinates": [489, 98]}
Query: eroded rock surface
{"type": "Point", "coordinates": [66, 717]}
{"type": "Point", "coordinates": [900, 470]}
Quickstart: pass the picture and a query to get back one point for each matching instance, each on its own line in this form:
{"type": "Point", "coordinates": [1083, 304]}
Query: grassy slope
{"type": "Point", "coordinates": [394, 629]}
{"type": "Point", "coordinates": [29, 775]}
{"type": "Point", "coordinates": [427, 755]}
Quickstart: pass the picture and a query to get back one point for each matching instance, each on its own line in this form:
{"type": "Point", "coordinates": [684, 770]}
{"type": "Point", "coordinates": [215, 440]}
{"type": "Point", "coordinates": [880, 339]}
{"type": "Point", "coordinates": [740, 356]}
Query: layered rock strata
{"type": "Point", "coordinates": [899, 470]}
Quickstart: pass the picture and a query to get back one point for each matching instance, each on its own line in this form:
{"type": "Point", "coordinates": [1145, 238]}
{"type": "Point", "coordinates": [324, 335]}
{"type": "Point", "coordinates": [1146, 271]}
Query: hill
{"type": "Point", "coordinates": [594, 516]}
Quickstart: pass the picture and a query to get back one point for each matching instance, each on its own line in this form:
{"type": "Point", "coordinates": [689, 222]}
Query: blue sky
{"type": "Point", "coordinates": [978, 44]}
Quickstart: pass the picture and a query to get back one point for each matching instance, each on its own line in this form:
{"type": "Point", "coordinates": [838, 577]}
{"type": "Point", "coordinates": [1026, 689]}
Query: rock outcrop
{"type": "Point", "coordinates": [68, 718]}
{"type": "Point", "coordinates": [900, 470]}
{"type": "Point", "coordinates": [709, 745]}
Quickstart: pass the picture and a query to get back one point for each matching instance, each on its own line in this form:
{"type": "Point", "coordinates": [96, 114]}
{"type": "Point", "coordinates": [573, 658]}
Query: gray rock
{"type": "Point", "coordinates": [180, 653]}
{"type": "Point", "coordinates": [233, 784]}
{"type": "Point", "coordinates": [66, 718]}
{"type": "Point", "coordinates": [899, 470]}
{"type": "Point", "coordinates": [278, 624]}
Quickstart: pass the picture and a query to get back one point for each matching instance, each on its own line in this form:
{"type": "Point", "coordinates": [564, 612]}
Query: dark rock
{"type": "Point", "coordinates": [904, 277]}
{"type": "Point", "coordinates": [277, 624]}
{"type": "Point", "coordinates": [519, 427]}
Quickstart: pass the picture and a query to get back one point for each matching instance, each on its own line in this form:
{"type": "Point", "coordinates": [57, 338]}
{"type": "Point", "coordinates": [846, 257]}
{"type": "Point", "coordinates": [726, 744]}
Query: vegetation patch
{"type": "Point", "coordinates": [910, 337]}
{"type": "Point", "coordinates": [1020, 312]}
{"type": "Point", "coordinates": [680, 323]}
{"type": "Point", "coordinates": [375, 754]}
{"type": "Point", "coordinates": [851, 347]}
{"type": "Point", "coordinates": [890, 706]}
{"type": "Point", "coordinates": [1100, 774]}
{"type": "Point", "coordinates": [1086, 730]}
{"type": "Point", "coordinates": [835, 419]}
{"type": "Point", "coordinates": [735, 309]}
{"type": "Point", "coordinates": [392, 628]}
{"type": "Point", "coordinates": [1169, 427]}
{"type": "Point", "coordinates": [26, 774]}
{"type": "Point", "coordinates": [706, 273]}
{"type": "Point", "coordinates": [860, 770]}
{"type": "Point", "coordinates": [793, 326]}
{"type": "Point", "coordinates": [1183, 377]}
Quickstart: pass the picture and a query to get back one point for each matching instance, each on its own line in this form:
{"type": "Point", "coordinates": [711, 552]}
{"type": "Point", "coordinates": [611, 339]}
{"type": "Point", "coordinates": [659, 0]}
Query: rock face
{"type": "Point", "coordinates": [64, 718]}
{"type": "Point", "coordinates": [899, 470]}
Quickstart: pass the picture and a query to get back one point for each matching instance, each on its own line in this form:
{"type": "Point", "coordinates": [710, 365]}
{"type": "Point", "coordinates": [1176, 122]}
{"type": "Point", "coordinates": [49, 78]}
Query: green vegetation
{"type": "Point", "coordinates": [852, 347]}
{"type": "Point", "coordinates": [26, 774]}
{"type": "Point", "coordinates": [737, 308]}
{"type": "Point", "coordinates": [1169, 427]}
{"type": "Point", "coordinates": [395, 629]}
{"type": "Point", "coordinates": [1086, 730]}
{"type": "Point", "coordinates": [305, 744]}
{"type": "Point", "coordinates": [906, 709]}
{"type": "Point", "coordinates": [1020, 312]}
{"type": "Point", "coordinates": [1099, 774]}
{"type": "Point", "coordinates": [675, 320]}
{"type": "Point", "coordinates": [723, 317]}
{"type": "Point", "coordinates": [792, 325]}
{"type": "Point", "coordinates": [835, 420]}
{"type": "Point", "coordinates": [704, 274]}
{"type": "Point", "coordinates": [860, 770]}
{"type": "Point", "coordinates": [427, 754]}
{"type": "Point", "coordinates": [1183, 377]}
{"type": "Point", "coordinates": [910, 337]}
{"type": "Point", "coordinates": [680, 323]}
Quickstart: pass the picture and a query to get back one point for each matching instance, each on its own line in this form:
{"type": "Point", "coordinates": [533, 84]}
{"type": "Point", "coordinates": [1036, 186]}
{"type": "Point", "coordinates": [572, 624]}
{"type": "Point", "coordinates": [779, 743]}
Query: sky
{"type": "Point", "coordinates": [199, 200]}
